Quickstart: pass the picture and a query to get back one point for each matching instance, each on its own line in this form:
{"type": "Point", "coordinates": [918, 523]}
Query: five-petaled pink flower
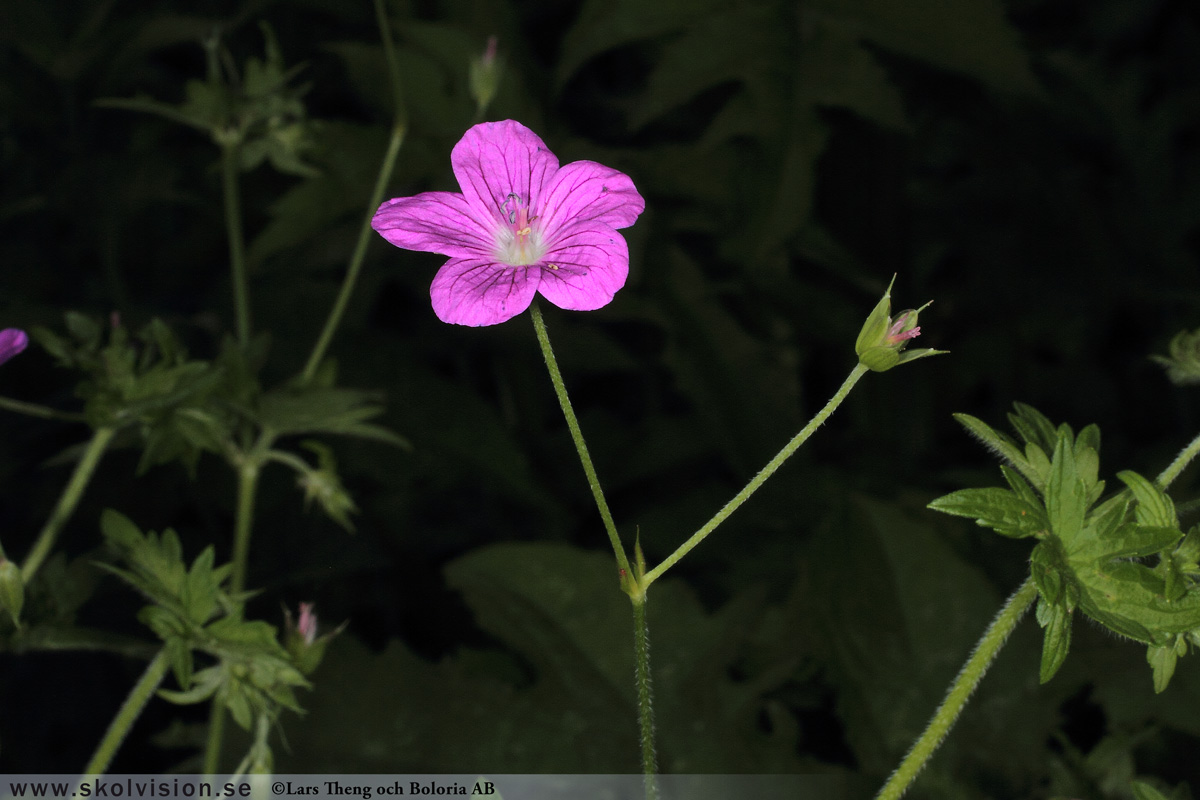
{"type": "Point", "coordinates": [12, 341]}
{"type": "Point", "coordinates": [521, 225]}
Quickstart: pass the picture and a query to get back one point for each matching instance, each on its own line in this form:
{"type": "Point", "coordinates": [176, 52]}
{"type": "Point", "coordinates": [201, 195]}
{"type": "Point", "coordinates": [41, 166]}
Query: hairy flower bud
{"type": "Point", "coordinates": [883, 338]}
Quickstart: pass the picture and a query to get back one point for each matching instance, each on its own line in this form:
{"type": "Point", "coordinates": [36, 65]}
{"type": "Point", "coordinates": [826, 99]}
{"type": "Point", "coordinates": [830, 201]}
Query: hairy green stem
{"type": "Point", "coordinates": [67, 502]}
{"type": "Point", "coordinates": [761, 478]}
{"type": "Point", "coordinates": [230, 168]}
{"type": "Point", "coordinates": [560, 389]}
{"type": "Point", "coordinates": [35, 410]}
{"type": "Point", "coordinates": [130, 710]}
{"type": "Point", "coordinates": [641, 647]}
{"type": "Point", "coordinates": [399, 128]}
{"type": "Point", "coordinates": [1181, 461]}
{"type": "Point", "coordinates": [960, 691]}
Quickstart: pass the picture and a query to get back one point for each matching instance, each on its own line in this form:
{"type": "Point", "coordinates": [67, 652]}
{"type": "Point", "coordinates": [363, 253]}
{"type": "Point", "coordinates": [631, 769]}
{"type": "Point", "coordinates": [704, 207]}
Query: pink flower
{"type": "Point", "coordinates": [12, 341]}
{"type": "Point", "coordinates": [521, 225]}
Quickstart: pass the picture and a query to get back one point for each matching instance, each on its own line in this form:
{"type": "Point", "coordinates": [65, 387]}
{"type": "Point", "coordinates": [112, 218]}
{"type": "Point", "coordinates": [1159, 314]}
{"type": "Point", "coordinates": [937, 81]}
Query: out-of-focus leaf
{"type": "Point", "coordinates": [973, 37]}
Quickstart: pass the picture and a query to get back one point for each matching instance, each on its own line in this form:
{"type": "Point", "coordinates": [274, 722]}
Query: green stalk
{"type": "Point", "coordinates": [130, 710]}
{"type": "Point", "coordinates": [67, 502]}
{"type": "Point", "coordinates": [1177, 466]}
{"type": "Point", "coordinates": [216, 730]}
{"type": "Point", "coordinates": [960, 691]}
{"type": "Point", "coordinates": [243, 525]}
{"type": "Point", "coordinates": [641, 647]}
{"type": "Point", "coordinates": [35, 410]}
{"type": "Point", "coordinates": [356, 259]}
{"type": "Point", "coordinates": [564, 401]}
{"type": "Point", "coordinates": [230, 167]}
{"type": "Point", "coordinates": [399, 128]}
{"type": "Point", "coordinates": [759, 479]}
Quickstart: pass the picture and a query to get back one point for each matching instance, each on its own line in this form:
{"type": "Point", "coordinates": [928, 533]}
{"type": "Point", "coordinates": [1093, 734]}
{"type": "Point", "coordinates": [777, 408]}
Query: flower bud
{"type": "Point", "coordinates": [883, 338]}
{"type": "Point", "coordinates": [483, 76]}
{"type": "Point", "coordinates": [301, 640]}
{"type": "Point", "coordinates": [12, 341]}
{"type": "Point", "coordinates": [12, 590]}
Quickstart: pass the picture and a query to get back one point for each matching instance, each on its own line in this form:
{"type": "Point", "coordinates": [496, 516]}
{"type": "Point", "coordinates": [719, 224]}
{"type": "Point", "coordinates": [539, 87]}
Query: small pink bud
{"type": "Point", "coordinates": [307, 626]}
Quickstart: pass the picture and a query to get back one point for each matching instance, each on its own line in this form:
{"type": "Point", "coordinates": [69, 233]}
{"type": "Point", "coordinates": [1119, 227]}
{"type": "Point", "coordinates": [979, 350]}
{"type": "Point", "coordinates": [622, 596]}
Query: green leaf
{"type": "Point", "coordinates": [1051, 573]}
{"type": "Point", "coordinates": [999, 509]}
{"type": "Point", "coordinates": [1056, 621]}
{"type": "Point", "coordinates": [1137, 541]}
{"type": "Point", "coordinates": [1066, 495]}
{"type": "Point", "coordinates": [325, 410]}
{"type": "Point", "coordinates": [1002, 445]}
{"type": "Point", "coordinates": [1154, 506]}
{"type": "Point", "coordinates": [119, 530]}
{"type": "Point", "coordinates": [1130, 598]}
{"type": "Point", "coordinates": [604, 24]}
{"type": "Point", "coordinates": [1033, 426]}
{"type": "Point", "coordinates": [1162, 660]}
{"type": "Point", "coordinates": [1144, 791]}
{"type": "Point", "coordinates": [972, 37]}
{"type": "Point", "coordinates": [834, 69]}
{"type": "Point", "coordinates": [730, 45]}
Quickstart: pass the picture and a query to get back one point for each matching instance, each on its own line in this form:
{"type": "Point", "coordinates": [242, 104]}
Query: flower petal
{"type": "Point", "coordinates": [496, 159]}
{"type": "Point", "coordinates": [479, 291]}
{"type": "Point", "coordinates": [12, 341]}
{"type": "Point", "coordinates": [436, 222]}
{"type": "Point", "coordinates": [587, 191]}
{"type": "Point", "coordinates": [585, 267]}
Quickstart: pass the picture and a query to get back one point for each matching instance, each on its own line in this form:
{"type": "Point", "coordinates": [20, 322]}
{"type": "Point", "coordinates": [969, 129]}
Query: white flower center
{"type": "Point", "coordinates": [519, 243]}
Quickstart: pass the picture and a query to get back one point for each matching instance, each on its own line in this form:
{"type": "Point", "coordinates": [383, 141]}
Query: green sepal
{"type": "Point", "coordinates": [879, 359]}
{"type": "Point", "coordinates": [875, 328]}
{"type": "Point", "coordinates": [921, 352]}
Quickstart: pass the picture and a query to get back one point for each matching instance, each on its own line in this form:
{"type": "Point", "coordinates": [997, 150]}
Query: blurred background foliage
{"type": "Point", "coordinates": [1031, 165]}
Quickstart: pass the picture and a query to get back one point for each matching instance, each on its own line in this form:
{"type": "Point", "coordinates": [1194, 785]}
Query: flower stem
{"type": "Point", "coordinates": [67, 502]}
{"type": "Point", "coordinates": [761, 478]}
{"type": "Point", "coordinates": [641, 647]}
{"type": "Point", "coordinates": [564, 401]}
{"type": "Point", "coordinates": [1181, 461]}
{"type": "Point", "coordinates": [399, 129]}
{"type": "Point", "coordinates": [242, 526]}
{"type": "Point", "coordinates": [118, 729]}
{"type": "Point", "coordinates": [968, 678]}
{"type": "Point", "coordinates": [35, 410]}
{"type": "Point", "coordinates": [230, 166]}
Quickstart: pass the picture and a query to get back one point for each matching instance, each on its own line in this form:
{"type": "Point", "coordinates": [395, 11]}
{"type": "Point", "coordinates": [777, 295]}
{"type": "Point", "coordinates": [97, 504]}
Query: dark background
{"type": "Point", "coordinates": [1031, 166]}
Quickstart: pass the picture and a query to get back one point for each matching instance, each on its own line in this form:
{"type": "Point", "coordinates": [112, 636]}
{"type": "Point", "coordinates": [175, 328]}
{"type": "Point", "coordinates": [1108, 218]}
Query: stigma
{"type": "Point", "coordinates": [518, 244]}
